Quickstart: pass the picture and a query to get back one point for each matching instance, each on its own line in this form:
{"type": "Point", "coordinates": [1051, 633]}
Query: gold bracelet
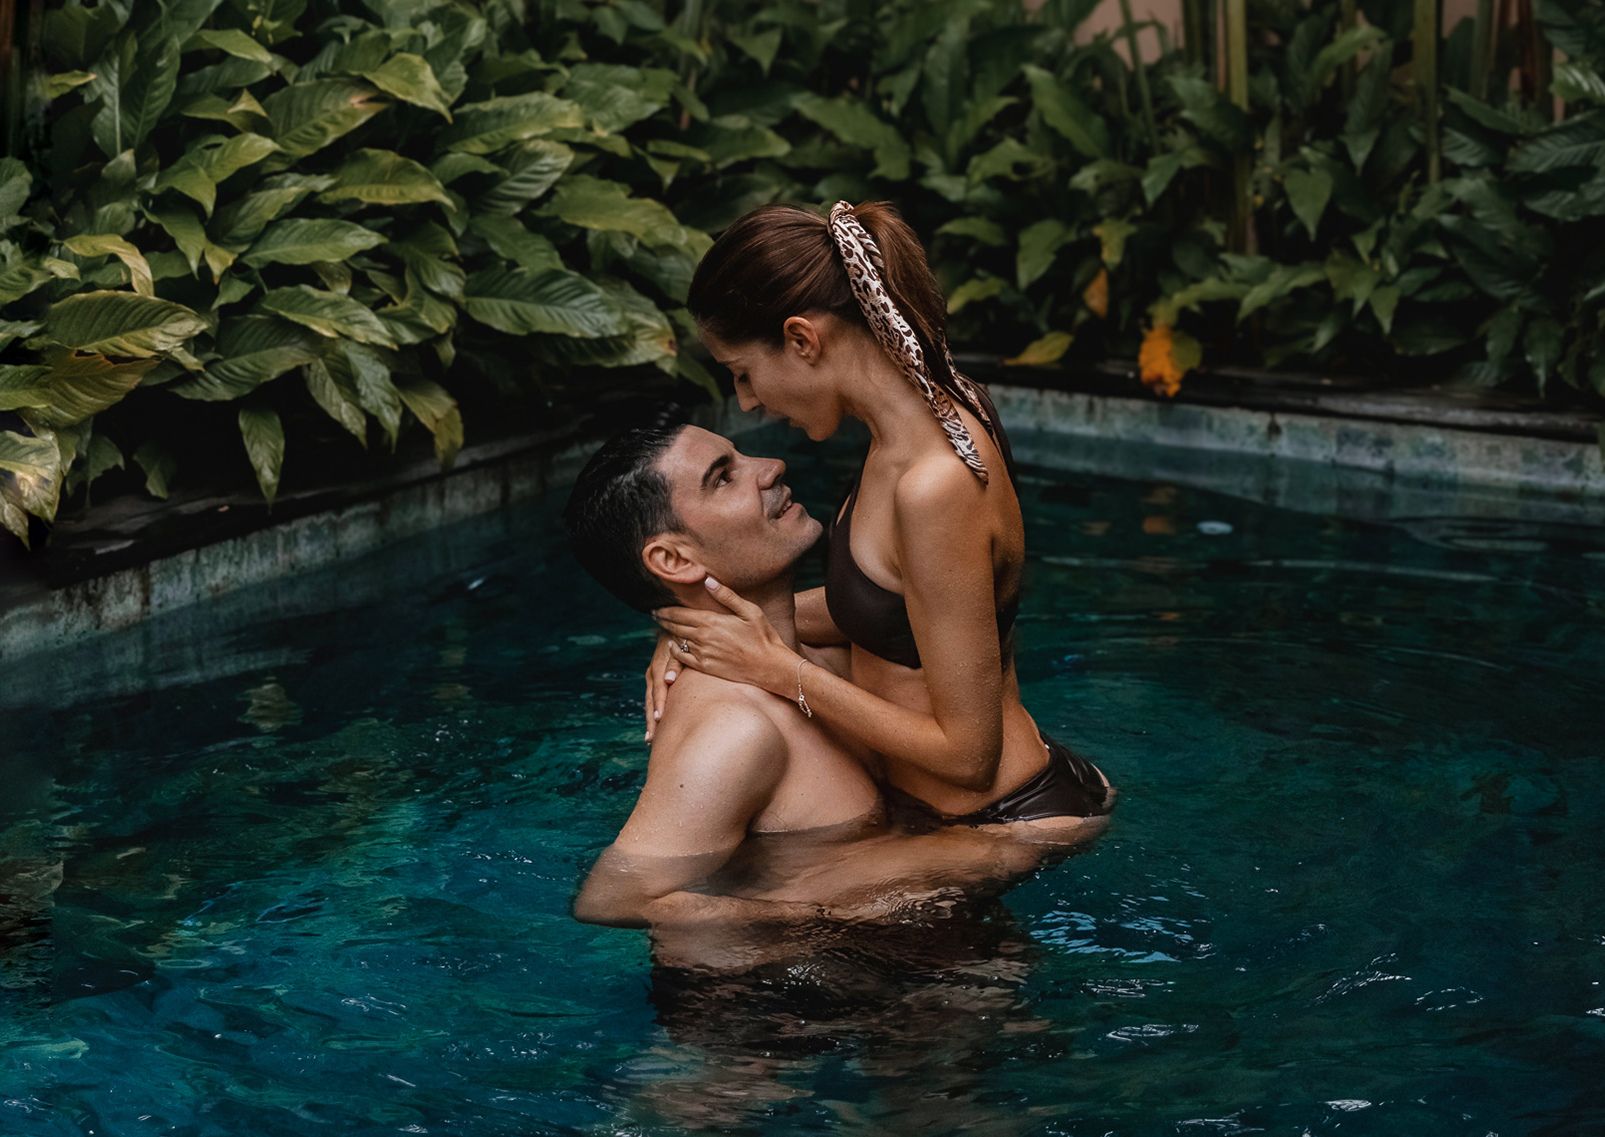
{"type": "Point", "coordinates": [802, 700]}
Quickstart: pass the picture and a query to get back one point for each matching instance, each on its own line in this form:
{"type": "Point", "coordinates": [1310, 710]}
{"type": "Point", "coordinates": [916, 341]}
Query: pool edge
{"type": "Point", "coordinates": [1405, 453]}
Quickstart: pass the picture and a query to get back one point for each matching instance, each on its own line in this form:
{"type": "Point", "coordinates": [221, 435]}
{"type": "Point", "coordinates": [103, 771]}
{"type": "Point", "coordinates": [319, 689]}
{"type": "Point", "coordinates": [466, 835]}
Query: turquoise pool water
{"type": "Point", "coordinates": [312, 874]}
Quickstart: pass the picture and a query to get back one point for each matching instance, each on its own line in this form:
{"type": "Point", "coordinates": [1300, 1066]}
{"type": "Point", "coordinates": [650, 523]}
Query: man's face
{"type": "Point", "coordinates": [741, 524]}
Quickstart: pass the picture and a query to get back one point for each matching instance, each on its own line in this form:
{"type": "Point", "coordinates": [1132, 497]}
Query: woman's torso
{"type": "Point", "coordinates": [864, 592]}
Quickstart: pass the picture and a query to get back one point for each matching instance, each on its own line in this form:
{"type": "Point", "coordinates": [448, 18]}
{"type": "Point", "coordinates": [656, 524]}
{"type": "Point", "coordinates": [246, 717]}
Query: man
{"type": "Point", "coordinates": [656, 513]}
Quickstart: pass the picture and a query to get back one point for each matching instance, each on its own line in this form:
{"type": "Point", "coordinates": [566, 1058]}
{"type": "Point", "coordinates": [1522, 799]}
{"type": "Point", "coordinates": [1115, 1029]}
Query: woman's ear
{"type": "Point", "coordinates": [801, 336]}
{"type": "Point", "coordinates": [666, 559]}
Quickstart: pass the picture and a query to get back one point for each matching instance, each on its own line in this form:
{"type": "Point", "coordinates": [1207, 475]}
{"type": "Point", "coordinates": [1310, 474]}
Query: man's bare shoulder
{"type": "Point", "coordinates": [711, 721]}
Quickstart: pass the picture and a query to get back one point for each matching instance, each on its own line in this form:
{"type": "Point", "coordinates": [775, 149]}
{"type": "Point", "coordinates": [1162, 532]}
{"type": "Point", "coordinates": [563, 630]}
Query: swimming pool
{"type": "Point", "coordinates": [315, 871]}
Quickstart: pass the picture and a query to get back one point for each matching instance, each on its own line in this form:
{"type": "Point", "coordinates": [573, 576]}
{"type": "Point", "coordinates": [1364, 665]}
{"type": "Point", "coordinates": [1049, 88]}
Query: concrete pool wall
{"type": "Point", "coordinates": [1335, 464]}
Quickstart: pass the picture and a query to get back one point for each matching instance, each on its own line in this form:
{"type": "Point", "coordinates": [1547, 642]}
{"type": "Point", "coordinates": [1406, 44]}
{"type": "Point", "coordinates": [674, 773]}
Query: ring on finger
{"type": "Point", "coordinates": [685, 645]}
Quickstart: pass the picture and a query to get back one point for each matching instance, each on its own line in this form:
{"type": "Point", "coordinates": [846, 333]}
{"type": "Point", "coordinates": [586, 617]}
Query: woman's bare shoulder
{"type": "Point", "coordinates": [938, 485]}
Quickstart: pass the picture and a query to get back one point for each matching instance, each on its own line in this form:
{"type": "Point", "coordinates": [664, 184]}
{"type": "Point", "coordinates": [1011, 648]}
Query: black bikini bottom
{"type": "Point", "coordinates": [1068, 786]}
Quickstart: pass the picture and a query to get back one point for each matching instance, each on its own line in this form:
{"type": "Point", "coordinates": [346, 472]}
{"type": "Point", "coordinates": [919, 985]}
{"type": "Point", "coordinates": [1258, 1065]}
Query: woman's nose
{"type": "Point", "coordinates": [745, 399]}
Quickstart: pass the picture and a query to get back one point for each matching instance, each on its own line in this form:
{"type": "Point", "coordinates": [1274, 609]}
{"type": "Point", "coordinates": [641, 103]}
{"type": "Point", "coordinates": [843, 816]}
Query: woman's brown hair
{"type": "Point", "coordinates": [780, 261]}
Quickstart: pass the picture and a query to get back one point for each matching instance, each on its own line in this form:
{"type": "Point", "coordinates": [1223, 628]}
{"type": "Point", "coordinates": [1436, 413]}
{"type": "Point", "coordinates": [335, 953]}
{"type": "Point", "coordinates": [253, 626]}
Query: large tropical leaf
{"type": "Point", "coordinates": [252, 350]}
{"type": "Point", "coordinates": [437, 410]}
{"type": "Point", "coordinates": [24, 385]}
{"type": "Point", "coordinates": [134, 82]}
{"type": "Point", "coordinates": [1042, 351]}
{"type": "Point", "coordinates": [485, 127]}
{"type": "Point", "coordinates": [328, 314]}
{"type": "Point", "coordinates": [1578, 141]}
{"type": "Point", "coordinates": [242, 220]}
{"type": "Point", "coordinates": [22, 277]}
{"type": "Point", "coordinates": [159, 467]}
{"type": "Point", "coordinates": [409, 77]}
{"type": "Point", "coordinates": [1308, 191]}
{"type": "Point", "coordinates": [1066, 114]}
{"type": "Point", "coordinates": [430, 253]}
{"type": "Point", "coordinates": [338, 397]}
{"type": "Point", "coordinates": [30, 480]}
{"type": "Point", "coordinates": [507, 237]}
{"type": "Point", "coordinates": [16, 183]}
{"type": "Point", "coordinates": [1579, 83]}
{"type": "Point", "coordinates": [263, 434]}
{"type": "Point", "coordinates": [1040, 242]}
{"type": "Point", "coordinates": [1348, 43]}
{"type": "Point", "coordinates": [304, 241]}
{"type": "Point", "coordinates": [308, 116]}
{"type": "Point", "coordinates": [11, 330]}
{"type": "Point", "coordinates": [69, 388]}
{"type": "Point", "coordinates": [521, 302]}
{"type": "Point", "coordinates": [121, 323]}
{"type": "Point", "coordinates": [1207, 108]}
{"type": "Point", "coordinates": [109, 244]}
{"type": "Point", "coordinates": [234, 42]}
{"type": "Point", "coordinates": [651, 336]}
{"type": "Point", "coordinates": [385, 178]}
{"type": "Point", "coordinates": [1502, 272]}
{"type": "Point", "coordinates": [616, 97]}
{"type": "Point", "coordinates": [456, 164]}
{"type": "Point", "coordinates": [363, 370]}
{"type": "Point", "coordinates": [532, 168]}
{"type": "Point", "coordinates": [593, 203]}
{"type": "Point", "coordinates": [100, 456]}
{"type": "Point", "coordinates": [244, 113]}
{"type": "Point", "coordinates": [852, 121]}
{"type": "Point", "coordinates": [209, 162]}
{"type": "Point", "coordinates": [980, 288]}
{"type": "Point", "coordinates": [190, 236]}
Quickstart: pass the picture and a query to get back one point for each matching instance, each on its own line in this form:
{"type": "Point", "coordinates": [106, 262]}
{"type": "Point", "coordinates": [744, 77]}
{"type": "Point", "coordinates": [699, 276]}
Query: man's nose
{"type": "Point", "coordinates": [775, 471]}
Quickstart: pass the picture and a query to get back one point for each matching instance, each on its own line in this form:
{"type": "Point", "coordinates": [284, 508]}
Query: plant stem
{"type": "Point", "coordinates": [1237, 91]}
{"type": "Point", "coordinates": [1346, 77]}
{"type": "Point", "coordinates": [1141, 72]}
{"type": "Point", "coordinates": [1482, 47]}
{"type": "Point", "coordinates": [10, 78]}
{"type": "Point", "coordinates": [1425, 65]}
{"type": "Point", "coordinates": [1193, 24]}
{"type": "Point", "coordinates": [1538, 61]}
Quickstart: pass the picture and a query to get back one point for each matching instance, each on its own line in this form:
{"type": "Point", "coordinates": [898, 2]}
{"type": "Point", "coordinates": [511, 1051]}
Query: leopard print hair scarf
{"type": "Point", "coordinates": [862, 258]}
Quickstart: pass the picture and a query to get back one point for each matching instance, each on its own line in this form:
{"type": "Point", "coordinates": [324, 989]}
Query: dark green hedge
{"type": "Point", "coordinates": [244, 231]}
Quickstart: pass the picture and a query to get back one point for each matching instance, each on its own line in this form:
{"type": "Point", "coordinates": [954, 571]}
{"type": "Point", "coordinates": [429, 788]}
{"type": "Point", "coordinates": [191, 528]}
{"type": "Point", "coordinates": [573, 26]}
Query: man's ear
{"type": "Point", "coordinates": [801, 336]}
{"type": "Point", "coordinates": [667, 558]}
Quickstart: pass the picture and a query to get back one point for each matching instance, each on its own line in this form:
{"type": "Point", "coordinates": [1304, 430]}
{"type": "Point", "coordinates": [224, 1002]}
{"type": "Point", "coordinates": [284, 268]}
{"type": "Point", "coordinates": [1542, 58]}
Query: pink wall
{"type": "Point", "coordinates": [1106, 18]}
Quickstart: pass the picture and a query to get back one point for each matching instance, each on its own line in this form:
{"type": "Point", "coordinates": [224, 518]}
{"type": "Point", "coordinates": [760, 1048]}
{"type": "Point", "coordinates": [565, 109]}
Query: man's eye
{"type": "Point", "coordinates": [723, 479]}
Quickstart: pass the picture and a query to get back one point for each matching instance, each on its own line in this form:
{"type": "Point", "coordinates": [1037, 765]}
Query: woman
{"type": "Point", "coordinates": [820, 320]}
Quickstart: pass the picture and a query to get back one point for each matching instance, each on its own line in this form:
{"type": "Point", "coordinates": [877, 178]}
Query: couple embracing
{"type": "Point", "coordinates": [876, 721]}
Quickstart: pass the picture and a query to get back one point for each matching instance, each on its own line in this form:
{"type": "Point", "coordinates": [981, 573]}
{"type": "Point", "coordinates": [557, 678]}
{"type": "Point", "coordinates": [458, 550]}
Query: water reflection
{"type": "Point", "coordinates": [904, 1019]}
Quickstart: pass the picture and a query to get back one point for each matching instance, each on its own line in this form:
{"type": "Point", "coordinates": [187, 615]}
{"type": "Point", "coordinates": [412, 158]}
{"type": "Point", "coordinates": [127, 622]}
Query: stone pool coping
{"type": "Point", "coordinates": [108, 572]}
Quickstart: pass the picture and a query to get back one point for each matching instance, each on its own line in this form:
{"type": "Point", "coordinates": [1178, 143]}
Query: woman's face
{"type": "Point", "coordinates": [786, 381]}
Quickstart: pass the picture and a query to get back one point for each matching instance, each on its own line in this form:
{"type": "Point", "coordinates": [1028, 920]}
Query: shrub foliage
{"type": "Point", "coordinates": [243, 216]}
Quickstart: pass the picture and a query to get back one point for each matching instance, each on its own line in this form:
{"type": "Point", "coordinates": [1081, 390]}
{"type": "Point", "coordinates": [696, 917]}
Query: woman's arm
{"type": "Point", "coordinates": [948, 587]}
{"type": "Point", "coordinates": [814, 628]}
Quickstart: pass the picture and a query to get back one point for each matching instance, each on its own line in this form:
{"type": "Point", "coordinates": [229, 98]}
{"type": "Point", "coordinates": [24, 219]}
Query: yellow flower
{"type": "Point", "coordinates": [1096, 295]}
{"type": "Point", "coordinates": [1165, 356]}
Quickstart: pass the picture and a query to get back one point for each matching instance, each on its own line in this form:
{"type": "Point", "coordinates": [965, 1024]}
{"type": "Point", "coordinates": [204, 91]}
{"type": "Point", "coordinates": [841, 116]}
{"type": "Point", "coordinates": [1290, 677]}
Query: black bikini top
{"type": "Point", "coordinates": [876, 618]}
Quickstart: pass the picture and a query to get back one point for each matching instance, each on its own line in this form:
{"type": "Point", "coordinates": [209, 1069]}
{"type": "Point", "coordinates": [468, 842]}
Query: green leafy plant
{"type": "Point", "coordinates": [331, 213]}
{"type": "Point", "coordinates": [340, 210]}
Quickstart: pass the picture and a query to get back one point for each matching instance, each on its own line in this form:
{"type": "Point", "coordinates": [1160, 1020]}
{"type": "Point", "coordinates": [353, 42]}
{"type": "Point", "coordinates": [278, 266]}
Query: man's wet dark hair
{"type": "Point", "coordinates": [619, 501]}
